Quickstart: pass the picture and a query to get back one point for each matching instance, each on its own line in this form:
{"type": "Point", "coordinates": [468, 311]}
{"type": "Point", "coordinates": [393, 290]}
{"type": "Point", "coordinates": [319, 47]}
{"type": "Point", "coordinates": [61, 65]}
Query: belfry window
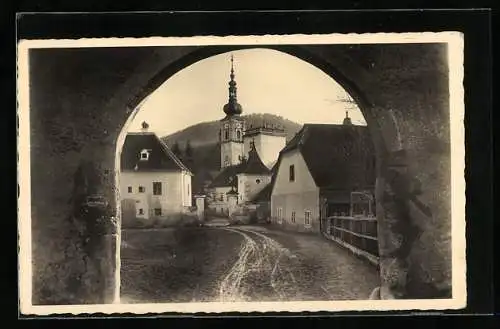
{"type": "Point", "coordinates": [226, 134]}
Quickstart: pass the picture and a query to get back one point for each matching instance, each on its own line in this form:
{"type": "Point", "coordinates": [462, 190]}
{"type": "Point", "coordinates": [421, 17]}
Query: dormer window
{"type": "Point", "coordinates": [144, 155]}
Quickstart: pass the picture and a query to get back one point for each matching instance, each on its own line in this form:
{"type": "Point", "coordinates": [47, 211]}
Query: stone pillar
{"type": "Point", "coordinates": [402, 218]}
{"type": "Point", "coordinates": [200, 206]}
{"type": "Point", "coordinates": [391, 208]}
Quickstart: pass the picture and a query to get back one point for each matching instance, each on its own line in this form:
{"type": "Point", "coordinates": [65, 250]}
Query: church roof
{"type": "Point", "coordinates": [252, 166]}
{"type": "Point", "coordinates": [160, 156]}
{"type": "Point", "coordinates": [227, 177]}
{"type": "Point", "coordinates": [336, 155]}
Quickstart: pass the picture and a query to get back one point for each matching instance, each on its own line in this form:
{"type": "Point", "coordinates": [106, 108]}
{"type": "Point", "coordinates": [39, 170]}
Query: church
{"type": "Point", "coordinates": [247, 155]}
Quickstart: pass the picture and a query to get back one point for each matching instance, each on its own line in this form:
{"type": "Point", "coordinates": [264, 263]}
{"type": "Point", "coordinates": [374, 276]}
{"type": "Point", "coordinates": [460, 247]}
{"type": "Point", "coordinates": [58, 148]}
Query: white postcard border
{"type": "Point", "coordinates": [457, 108]}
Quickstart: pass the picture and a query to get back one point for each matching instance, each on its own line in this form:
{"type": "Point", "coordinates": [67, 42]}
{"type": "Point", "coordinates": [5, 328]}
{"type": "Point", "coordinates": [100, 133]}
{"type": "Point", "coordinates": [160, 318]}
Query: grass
{"type": "Point", "coordinates": [175, 265]}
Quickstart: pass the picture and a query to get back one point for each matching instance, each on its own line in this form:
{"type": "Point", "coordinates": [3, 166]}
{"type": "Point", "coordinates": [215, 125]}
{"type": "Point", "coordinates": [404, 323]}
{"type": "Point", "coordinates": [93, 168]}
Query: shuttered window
{"type": "Point", "coordinates": [157, 188]}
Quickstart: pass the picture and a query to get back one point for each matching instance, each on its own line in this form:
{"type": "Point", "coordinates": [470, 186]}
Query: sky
{"type": "Point", "coordinates": [268, 81]}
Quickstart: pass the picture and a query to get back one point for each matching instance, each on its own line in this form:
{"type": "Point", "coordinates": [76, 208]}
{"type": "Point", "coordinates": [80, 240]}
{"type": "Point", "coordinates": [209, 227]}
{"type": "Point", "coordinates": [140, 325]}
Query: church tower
{"type": "Point", "coordinates": [232, 127]}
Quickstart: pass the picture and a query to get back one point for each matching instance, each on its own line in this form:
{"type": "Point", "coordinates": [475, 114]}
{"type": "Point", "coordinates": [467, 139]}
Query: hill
{"type": "Point", "coordinates": [206, 133]}
{"type": "Point", "coordinates": [203, 158]}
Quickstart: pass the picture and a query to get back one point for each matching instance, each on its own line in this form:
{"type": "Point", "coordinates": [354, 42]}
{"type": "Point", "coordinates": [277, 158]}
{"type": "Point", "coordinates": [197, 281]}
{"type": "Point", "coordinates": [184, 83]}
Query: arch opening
{"type": "Point", "coordinates": [354, 97]}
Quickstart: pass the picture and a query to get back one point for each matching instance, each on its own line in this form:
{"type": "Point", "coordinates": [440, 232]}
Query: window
{"type": "Point", "coordinates": [292, 173]}
{"type": "Point", "coordinates": [156, 188]}
{"type": "Point", "coordinates": [129, 189]}
{"type": "Point", "coordinates": [221, 197]}
{"type": "Point", "coordinates": [141, 211]}
{"type": "Point", "coordinates": [280, 215]}
{"type": "Point", "coordinates": [144, 155]}
{"type": "Point", "coordinates": [142, 189]}
{"type": "Point", "coordinates": [293, 217]}
{"type": "Point", "coordinates": [157, 211]}
{"type": "Point", "coordinates": [257, 181]}
{"type": "Point", "coordinates": [238, 134]}
{"type": "Point", "coordinates": [226, 134]}
{"type": "Point", "coordinates": [307, 218]}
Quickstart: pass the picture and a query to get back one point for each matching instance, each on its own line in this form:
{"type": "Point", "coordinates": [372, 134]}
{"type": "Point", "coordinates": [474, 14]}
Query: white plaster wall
{"type": "Point", "coordinates": [248, 187]}
{"type": "Point", "coordinates": [233, 150]}
{"type": "Point", "coordinates": [300, 195]}
{"type": "Point", "coordinates": [303, 180]}
{"type": "Point", "coordinates": [171, 200]}
{"type": "Point", "coordinates": [187, 193]}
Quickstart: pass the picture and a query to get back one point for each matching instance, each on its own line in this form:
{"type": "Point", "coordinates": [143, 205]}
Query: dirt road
{"type": "Point", "coordinates": [239, 263]}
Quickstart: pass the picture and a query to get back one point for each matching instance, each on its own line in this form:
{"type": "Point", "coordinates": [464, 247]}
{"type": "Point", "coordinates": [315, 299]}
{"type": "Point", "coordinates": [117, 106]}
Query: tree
{"type": "Point", "coordinates": [189, 150]}
{"type": "Point", "coordinates": [176, 149]}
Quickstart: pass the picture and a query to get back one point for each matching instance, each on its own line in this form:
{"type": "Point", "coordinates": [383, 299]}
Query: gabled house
{"type": "Point", "coordinates": [154, 183]}
{"type": "Point", "coordinates": [318, 169]}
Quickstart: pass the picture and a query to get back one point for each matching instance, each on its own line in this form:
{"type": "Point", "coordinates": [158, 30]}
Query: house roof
{"type": "Point", "coordinates": [264, 195]}
{"type": "Point", "coordinates": [160, 155]}
{"type": "Point", "coordinates": [227, 177]}
{"type": "Point", "coordinates": [252, 166]}
{"type": "Point", "coordinates": [336, 155]}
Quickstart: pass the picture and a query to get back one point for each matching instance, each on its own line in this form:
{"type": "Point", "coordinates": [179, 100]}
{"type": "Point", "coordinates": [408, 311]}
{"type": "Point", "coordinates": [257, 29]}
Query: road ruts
{"type": "Point", "coordinates": [263, 270]}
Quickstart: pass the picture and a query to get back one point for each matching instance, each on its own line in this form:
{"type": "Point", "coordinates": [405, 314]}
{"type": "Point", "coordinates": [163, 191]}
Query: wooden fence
{"type": "Point", "coordinates": [359, 234]}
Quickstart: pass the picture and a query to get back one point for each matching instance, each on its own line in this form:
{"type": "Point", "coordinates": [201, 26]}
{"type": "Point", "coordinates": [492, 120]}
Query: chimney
{"type": "Point", "coordinates": [145, 127]}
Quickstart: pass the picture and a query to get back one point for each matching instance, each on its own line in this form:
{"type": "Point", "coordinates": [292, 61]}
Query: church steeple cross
{"type": "Point", "coordinates": [232, 83]}
{"type": "Point", "coordinates": [232, 107]}
{"type": "Point", "coordinates": [232, 68]}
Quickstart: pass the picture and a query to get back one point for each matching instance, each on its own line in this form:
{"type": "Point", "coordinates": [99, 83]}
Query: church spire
{"type": "Point", "coordinates": [347, 120]}
{"type": "Point", "coordinates": [232, 107]}
{"type": "Point", "coordinates": [232, 68]}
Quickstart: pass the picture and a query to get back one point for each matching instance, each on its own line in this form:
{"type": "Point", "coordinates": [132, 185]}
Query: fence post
{"type": "Point", "coordinates": [351, 228]}
{"type": "Point", "coordinates": [363, 231]}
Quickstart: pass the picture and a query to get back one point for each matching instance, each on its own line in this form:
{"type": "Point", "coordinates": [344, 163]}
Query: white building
{"type": "Point", "coordinates": [154, 183]}
{"type": "Point", "coordinates": [320, 167]}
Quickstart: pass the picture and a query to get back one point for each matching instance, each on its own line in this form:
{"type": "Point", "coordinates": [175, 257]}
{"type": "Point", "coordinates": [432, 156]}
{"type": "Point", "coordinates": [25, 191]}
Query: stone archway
{"type": "Point", "coordinates": [401, 90]}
